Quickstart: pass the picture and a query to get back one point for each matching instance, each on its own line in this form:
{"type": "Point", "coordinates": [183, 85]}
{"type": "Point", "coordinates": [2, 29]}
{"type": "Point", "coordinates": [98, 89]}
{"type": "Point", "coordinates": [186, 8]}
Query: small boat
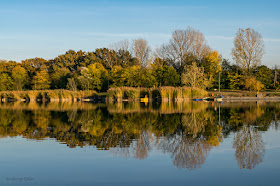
{"type": "Point", "coordinates": [200, 99]}
{"type": "Point", "coordinates": [218, 99]}
{"type": "Point", "coordinates": [145, 99]}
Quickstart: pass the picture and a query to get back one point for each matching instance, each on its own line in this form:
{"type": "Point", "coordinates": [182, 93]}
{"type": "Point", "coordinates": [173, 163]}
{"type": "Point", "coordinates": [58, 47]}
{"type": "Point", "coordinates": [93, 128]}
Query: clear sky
{"type": "Point", "coordinates": [48, 28]}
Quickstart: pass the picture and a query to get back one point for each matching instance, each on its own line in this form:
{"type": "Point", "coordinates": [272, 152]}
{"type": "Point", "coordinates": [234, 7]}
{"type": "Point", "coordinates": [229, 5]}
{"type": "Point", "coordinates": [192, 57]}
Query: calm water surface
{"type": "Point", "coordinates": [192, 143]}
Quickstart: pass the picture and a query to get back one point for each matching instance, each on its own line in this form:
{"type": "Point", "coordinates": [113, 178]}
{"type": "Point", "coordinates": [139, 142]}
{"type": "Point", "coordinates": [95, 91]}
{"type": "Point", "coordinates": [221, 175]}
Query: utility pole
{"type": "Point", "coordinates": [275, 75]}
{"type": "Point", "coordinates": [219, 114]}
{"type": "Point", "coordinates": [219, 82]}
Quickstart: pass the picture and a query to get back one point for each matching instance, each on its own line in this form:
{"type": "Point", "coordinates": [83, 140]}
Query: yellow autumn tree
{"type": "Point", "coordinates": [194, 76]}
{"type": "Point", "coordinates": [211, 65]}
{"type": "Point", "coordinates": [41, 80]}
{"type": "Point", "coordinates": [251, 84]}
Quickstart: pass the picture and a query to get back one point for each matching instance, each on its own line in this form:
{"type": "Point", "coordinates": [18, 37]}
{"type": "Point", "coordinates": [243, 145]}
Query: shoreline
{"type": "Point", "coordinates": [130, 94]}
{"type": "Point", "coordinates": [251, 98]}
{"type": "Point", "coordinates": [103, 100]}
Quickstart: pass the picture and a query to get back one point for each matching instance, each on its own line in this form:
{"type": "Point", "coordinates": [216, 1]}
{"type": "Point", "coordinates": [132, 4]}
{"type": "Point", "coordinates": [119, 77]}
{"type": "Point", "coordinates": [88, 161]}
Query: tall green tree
{"type": "Point", "coordinates": [93, 77]}
{"type": "Point", "coordinates": [59, 77]}
{"type": "Point", "coordinates": [99, 75]}
{"type": "Point", "coordinates": [264, 75]}
{"type": "Point", "coordinates": [230, 76]}
{"type": "Point", "coordinates": [6, 82]}
{"type": "Point", "coordinates": [20, 77]}
{"type": "Point", "coordinates": [235, 81]}
{"type": "Point", "coordinates": [85, 80]}
{"type": "Point", "coordinates": [118, 76]}
{"type": "Point", "coordinates": [71, 60]}
{"type": "Point", "coordinates": [166, 75]}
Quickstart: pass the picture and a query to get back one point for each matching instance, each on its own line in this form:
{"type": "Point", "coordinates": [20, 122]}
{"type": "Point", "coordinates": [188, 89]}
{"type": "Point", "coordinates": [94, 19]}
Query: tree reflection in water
{"type": "Point", "coordinates": [186, 152]}
{"type": "Point", "coordinates": [186, 131]}
{"type": "Point", "coordinates": [249, 147]}
{"type": "Point", "coordinates": [190, 143]}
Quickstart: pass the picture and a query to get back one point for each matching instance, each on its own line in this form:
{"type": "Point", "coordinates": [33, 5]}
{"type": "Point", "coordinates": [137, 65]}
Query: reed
{"type": "Point", "coordinates": [115, 94]}
{"type": "Point", "coordinates": [198, 93]}
{"type": "Point", "coordinates": [163, 94]}
{"type": "Point", "coordinates": [178, 94]}
{"type": "Point", "coordinates": [131, 93]}
{"type": "Point", "coordinates": [166, 93]}
{"type": "Point", "coordinates": [186, 92]}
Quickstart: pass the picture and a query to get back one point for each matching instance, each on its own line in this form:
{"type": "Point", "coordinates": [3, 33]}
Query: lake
{"type": "Point", "coordinates": [193, 143]}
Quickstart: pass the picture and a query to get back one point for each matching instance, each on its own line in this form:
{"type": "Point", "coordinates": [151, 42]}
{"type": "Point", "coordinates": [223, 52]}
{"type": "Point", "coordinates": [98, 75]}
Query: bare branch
{"type": "Point", "coordinates": [141, 51]}
{"type": "Point", "coordinates": [189, 42]}
{"type": "Point", "coordinates": [122, 45]}
{"type": "Point", "coordinates": [248, 49]}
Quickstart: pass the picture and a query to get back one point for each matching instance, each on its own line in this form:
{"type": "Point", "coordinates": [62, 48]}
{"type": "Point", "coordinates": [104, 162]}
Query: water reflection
{"type": "Point", "coordinates": [185, 131]}
{"type": "Point", "coordinates": [249, 147]}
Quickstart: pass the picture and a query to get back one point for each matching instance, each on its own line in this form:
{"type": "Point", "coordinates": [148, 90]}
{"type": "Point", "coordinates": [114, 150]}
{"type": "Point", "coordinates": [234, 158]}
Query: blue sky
{"type": "Point", "coordinates": [48, 28]}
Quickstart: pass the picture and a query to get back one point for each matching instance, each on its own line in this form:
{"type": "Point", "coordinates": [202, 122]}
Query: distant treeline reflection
{"type": "Point", "coordinates": [186, 131]}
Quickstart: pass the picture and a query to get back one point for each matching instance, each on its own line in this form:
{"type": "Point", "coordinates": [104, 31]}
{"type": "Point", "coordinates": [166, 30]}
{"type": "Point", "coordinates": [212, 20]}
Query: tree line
{"type": "Point", "coordinates": [186, 60]}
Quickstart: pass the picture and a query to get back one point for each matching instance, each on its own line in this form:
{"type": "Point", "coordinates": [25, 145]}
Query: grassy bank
{"type": "Point", "coordinates": [161, 94]}
{"type": "Point", "coordinates": [245, 94]}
